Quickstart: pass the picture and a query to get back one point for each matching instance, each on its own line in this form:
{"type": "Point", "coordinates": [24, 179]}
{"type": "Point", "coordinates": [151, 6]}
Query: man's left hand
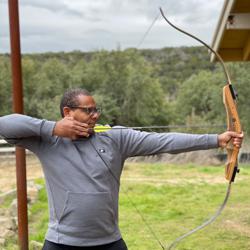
{"type": "Point", "coordinates": [225, 137]}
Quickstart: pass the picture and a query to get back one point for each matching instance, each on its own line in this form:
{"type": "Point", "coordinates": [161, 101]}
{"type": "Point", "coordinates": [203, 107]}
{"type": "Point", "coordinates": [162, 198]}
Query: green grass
{"type": "Point", "coordinates": [39, 215]}
{"type": "Point", "coordinates": [173, 199]}
{"type": "Point", "coordinates": [187, 198]}
{"type": "Point", "coordinates": [7, 201]}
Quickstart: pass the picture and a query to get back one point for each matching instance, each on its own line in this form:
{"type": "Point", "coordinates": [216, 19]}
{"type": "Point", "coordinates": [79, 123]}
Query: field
{"type": "Point", "coordinates": [173, 199]}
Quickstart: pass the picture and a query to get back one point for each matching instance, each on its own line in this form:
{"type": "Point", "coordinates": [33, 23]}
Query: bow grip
{"type": "Point", "coordinates": [233, 124]}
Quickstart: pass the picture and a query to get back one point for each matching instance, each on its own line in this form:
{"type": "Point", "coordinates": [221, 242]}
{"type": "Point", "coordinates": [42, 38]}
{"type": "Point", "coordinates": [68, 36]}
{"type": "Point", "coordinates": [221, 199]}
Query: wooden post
{"type": "Point", "coordinates": [18, 108]}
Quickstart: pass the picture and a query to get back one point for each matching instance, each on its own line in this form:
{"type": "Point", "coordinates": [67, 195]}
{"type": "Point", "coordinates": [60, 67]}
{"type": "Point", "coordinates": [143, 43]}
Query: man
{"type": "Point", "coordinates": [82, 168]}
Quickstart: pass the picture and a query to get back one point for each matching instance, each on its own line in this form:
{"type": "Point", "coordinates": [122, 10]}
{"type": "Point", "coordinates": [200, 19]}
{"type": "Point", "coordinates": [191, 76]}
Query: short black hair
{"type": "Point", "coordinates": [70, 99]}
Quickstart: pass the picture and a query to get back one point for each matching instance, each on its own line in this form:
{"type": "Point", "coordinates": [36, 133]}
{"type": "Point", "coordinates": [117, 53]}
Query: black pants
{"type": "Point", "coordinates": [117, 245]}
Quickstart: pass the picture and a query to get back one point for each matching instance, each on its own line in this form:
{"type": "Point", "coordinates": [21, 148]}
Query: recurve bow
{"type": "Point", "coordinates": [233, 124]}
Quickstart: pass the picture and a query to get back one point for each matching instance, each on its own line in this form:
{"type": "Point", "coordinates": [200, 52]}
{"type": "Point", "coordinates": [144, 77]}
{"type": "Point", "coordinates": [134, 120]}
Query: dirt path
{"type": "Point", "coordinates": [8, 171]}
{"type": "Point", "coordinates": [34, 171]}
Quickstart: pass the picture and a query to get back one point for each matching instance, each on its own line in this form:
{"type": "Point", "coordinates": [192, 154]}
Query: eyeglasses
{"type": "Point", "coordinates": [88, 110]}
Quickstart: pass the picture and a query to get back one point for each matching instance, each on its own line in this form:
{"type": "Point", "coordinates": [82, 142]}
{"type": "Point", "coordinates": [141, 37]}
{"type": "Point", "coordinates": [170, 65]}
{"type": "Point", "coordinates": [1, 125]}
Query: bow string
{"type": "Point", "coordinates": [233, 124]}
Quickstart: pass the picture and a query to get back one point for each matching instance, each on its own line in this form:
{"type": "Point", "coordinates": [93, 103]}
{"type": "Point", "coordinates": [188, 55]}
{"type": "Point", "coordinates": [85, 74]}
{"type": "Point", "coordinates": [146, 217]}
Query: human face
{"type": "Point", "coordinates": [82, 116]}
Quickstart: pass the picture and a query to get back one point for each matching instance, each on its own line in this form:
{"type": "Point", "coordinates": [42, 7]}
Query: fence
{"type": "Point", "coordinates": [5, 149]}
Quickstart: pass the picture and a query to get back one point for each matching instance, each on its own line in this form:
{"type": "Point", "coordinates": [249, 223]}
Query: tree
{"type": "Point", "coordinates": [125, 81]}
{"type": "Point", "coordinates": [201, 96]}
{"type": "Point", "coordinates": [5, 86]}
{"type": "Point", "coordinates": [48, 83]}
{"type": "Point", "coordinates": [240, 79]}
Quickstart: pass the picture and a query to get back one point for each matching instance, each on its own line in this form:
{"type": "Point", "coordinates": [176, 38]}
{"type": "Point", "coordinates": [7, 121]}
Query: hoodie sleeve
{"type": "Point", "coordinates": [25, 131]}
{"type": "Point", "coordinates": [137, 143]}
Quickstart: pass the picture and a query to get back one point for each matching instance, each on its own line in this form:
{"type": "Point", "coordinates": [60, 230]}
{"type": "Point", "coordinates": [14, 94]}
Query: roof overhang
{"type": "Point", "coordinates": [232, 35]}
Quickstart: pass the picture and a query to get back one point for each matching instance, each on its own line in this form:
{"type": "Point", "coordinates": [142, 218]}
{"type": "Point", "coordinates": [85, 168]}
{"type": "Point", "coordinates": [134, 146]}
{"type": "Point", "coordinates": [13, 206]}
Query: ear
{"type": "Point", "coordinates": [66, 111]}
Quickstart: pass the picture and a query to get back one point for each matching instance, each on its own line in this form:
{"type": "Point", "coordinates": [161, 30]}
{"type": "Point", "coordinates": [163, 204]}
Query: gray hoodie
{"type": "Point", "coordinates": [82, 176]}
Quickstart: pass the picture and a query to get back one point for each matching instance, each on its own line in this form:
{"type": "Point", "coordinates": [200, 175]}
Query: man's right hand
{"type": "Point", "coordinates": [70, 128]}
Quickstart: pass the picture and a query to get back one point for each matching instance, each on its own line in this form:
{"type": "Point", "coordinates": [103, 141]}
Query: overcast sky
{"type": "Point", "coordinates": [87, 25]}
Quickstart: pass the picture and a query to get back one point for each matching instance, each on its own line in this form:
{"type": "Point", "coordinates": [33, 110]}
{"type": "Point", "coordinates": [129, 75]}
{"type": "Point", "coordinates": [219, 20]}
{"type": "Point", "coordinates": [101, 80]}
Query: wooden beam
{"type": "Point", "coordinates": [220, 29]}
{"type": "Point", "coordinates": [241, 6]}
{"type": "Point", "coordinates": [238, 21]}
{"type": "Point", "coordinates": [231, 54]}
{"type": "Point", "coordinates": [246, 50]}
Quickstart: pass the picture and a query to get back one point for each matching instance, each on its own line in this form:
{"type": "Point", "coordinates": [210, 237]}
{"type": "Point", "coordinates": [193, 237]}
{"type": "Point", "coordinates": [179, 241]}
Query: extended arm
{"type": "Point", "coordinates": [133, 143]}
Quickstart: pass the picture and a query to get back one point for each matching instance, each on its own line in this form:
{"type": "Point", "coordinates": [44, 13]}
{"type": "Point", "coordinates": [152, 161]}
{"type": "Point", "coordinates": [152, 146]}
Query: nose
{"type": "Point", "coordinates": [95, 115]}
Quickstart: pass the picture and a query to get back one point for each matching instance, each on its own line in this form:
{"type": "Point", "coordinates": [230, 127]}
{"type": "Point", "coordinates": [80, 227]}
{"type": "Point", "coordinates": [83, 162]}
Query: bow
{"type": "Point", "coordinates": [233, 124]}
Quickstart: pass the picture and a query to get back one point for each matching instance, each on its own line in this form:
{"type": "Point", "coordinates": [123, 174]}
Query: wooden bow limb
{"type": "Point", "coordinates": [233, 124]}
{"type": "Point", "coordinates": [229, 99]}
